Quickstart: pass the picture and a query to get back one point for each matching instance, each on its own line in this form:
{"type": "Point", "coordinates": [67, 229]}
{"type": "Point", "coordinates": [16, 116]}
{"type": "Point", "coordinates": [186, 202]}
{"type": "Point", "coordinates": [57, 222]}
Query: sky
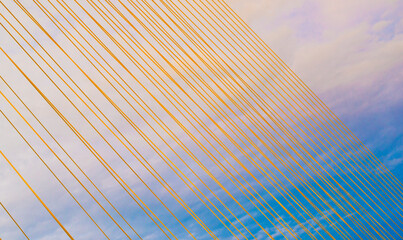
{"type": "Point", "coordinates": [348, 52]}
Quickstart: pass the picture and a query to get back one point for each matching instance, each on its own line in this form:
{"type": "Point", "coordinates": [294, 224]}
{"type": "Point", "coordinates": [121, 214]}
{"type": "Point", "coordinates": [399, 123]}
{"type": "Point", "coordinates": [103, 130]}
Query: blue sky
{"type": "Point", "coordinates": [348, 52]}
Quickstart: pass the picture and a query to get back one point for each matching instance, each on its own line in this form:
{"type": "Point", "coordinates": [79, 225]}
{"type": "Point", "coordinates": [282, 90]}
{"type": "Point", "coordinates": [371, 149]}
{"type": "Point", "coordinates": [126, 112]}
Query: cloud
{"type": "Point", "coordinates": [333, 46]}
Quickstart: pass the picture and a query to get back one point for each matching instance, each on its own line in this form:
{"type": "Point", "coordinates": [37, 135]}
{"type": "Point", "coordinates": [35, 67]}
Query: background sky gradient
{"type": "Point", "coordinates": [349, 52]}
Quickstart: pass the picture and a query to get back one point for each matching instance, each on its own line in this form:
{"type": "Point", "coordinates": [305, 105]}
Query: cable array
{"type": "Point", "coordinates": [174, 119]}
